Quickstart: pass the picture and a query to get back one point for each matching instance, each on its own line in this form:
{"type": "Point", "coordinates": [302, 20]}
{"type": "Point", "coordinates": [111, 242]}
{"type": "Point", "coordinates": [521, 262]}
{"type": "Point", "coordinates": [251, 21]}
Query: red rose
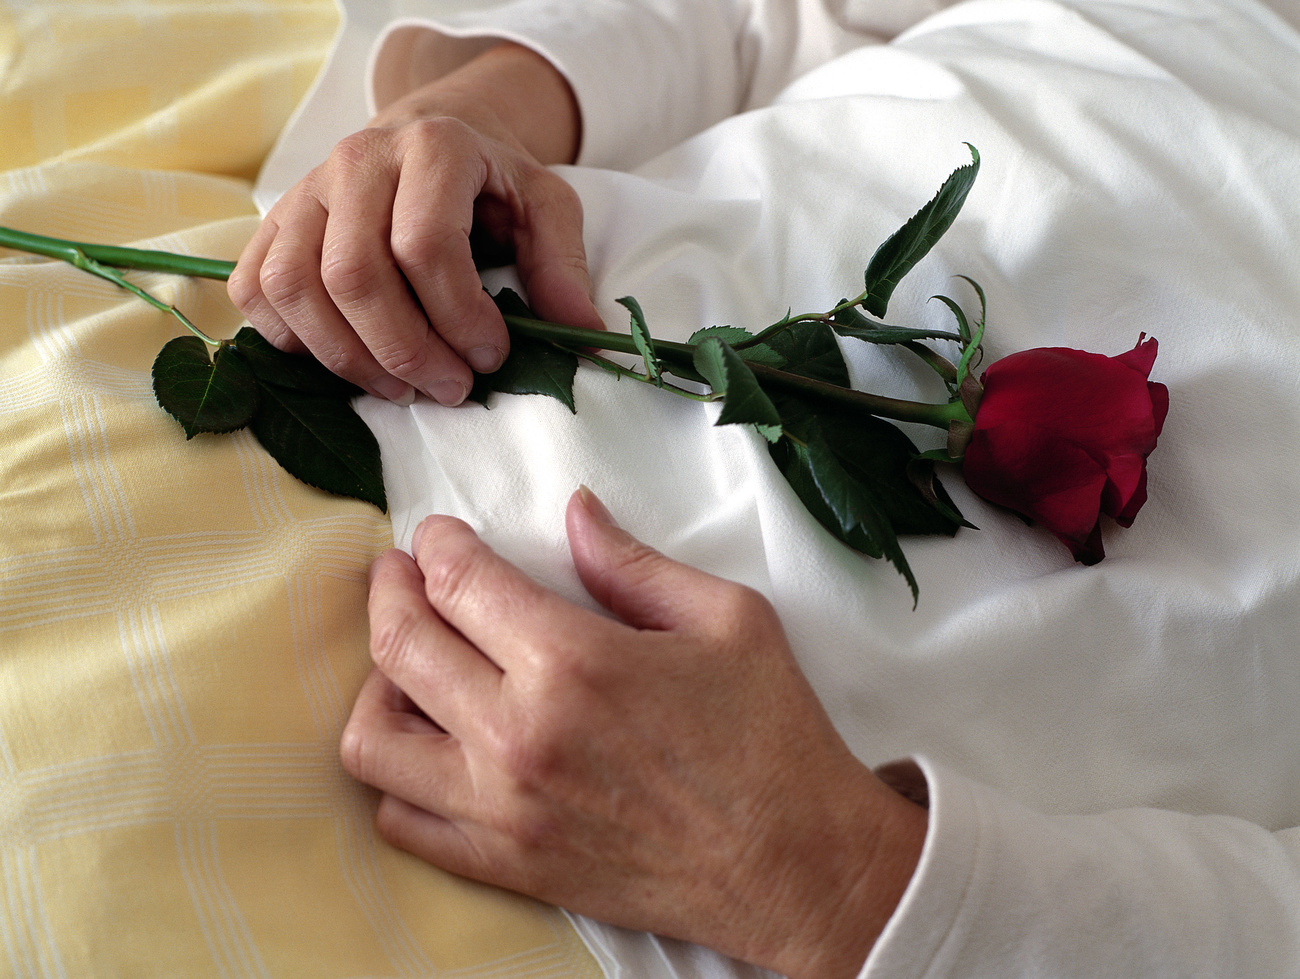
{"type": "Point", "coordinates": [1062, 436]}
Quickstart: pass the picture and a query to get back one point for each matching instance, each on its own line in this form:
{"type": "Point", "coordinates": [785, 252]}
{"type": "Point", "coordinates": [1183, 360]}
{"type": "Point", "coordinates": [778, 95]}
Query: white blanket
{"type": "Point", "coordinates": [1114, 751]}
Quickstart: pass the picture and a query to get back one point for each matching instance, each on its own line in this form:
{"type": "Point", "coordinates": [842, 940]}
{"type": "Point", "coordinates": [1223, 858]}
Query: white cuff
{"type": "Point", "coordinates": [1002, 891]}
{"type": "Point", "coordinates": [638, 93]}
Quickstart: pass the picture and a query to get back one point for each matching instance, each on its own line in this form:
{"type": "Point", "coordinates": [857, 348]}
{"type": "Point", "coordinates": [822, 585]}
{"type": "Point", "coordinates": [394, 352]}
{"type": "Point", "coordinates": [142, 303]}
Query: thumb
{"type": "Point", "coordinates": [631, 579]}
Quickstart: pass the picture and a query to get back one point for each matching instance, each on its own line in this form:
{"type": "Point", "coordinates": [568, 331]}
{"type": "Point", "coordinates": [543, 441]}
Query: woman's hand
{"type": "Point", "coordinates": [669, 770]}
{"type": "Point", "coordinates": [367, 263]}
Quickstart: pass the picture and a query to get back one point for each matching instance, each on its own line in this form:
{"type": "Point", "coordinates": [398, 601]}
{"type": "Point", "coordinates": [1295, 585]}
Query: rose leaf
{"type": "Point", "coordinates": [839, 502]}
{"type": "Point", "coordinates": [641, 338]}
{"type": "Point", "coordinates": [810, 350]}
{"type": "Point", "coordinates": [910, 243]}
{"type": "Point", "coordinates": [204, 395]}
{"type": "Point", "coordinates": [736, 338]}
{"type": "Point", "coordinates": [851, 323]}
{"type": "Point", "coordinates": [533, 367]}
{"type": "Point", "coordinates": [881, 457]}
{"type": "Point", "coordinates": [854, 506]}
{"type": "Point", "coordinates": [297, 373]}
{"type": "Point", "coordinates": [321, 441]}
{"type": "Point", "coordinates": [744, 401]}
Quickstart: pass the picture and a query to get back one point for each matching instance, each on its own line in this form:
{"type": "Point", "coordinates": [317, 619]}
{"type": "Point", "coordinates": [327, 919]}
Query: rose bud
{"type": "Point", "coordinates": [1062, 436]}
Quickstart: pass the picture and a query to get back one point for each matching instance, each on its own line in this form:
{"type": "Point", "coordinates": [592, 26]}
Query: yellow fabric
{"type": "Point", "coordinates": [182, 625]}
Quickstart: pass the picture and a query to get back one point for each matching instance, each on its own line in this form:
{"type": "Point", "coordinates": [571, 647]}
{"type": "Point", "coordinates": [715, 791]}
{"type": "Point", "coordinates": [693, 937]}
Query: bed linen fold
{"type": "Point", "coordinates": [1139, 177]}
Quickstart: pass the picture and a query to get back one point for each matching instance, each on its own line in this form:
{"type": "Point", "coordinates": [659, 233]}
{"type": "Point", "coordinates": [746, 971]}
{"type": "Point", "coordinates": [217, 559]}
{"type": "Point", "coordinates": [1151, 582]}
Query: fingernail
{"type": "Point", "coordinates": [415, 538]}
{"type": "Point", "coordinates": [485, 359]}
{"type": "Point", "coordinates": [449, 393]}
{"type": "Point", "coordinates": [395, 390]}
{"type": "Point", "coordinates": [370, 572]}
{"type": "Point", "coordinates": [597, 509]}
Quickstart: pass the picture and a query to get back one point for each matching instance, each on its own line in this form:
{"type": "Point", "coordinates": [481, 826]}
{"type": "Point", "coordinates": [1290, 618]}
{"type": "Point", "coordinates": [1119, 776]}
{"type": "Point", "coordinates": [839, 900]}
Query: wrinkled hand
{"type": "Point", "coordinates": [672, 771]}
{"type": "Point", "coordinates": [367, 263]}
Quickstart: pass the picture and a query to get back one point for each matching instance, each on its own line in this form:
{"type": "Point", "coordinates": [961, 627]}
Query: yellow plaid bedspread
{"type": "Point", "coordinates": [182, 625]}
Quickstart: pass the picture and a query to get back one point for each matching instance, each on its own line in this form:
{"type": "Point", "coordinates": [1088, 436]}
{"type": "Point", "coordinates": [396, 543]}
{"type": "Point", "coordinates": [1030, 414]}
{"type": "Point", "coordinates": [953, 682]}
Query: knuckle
{"type": "Point", "coordinates": [356, 751]}
{"type": "Point", "coordinates": [437, 134]}
{"type": "Point", "coordinates": [746, 617]}
{"type": "Point", "coordinates": [393, 638]}
{"type": "Point", "coordinates": [279, 335]}
{"type": "Point", "coordinates": [424, 247]}
{"type": "Point", "coordinates": [639, 563]}
{"type": "Point", "coordinates": [389, 822]}
{"type": "Point", "coordinates": [534, 833]}
{"type": "Point", "coordinates": [243, 288]}
{"type": "Point", "coordinates": [350, 271]}
{"type": "Point", "coordinates": [451, 569]}
{"type": "Point", "coordinates": [741, 604]}
{"type": "Point", "coordinates": [340, 359]}
{"type": "Point", "coordinates": [532, 761]}
{"type": "Point", "coordinates": [558, 192]}
{"type": "Point", "coordinates": [403, 357]}
{"type": "Point", "coordinates": [284, 280]}
{"type": "Point", "coordinates": [355, 151]}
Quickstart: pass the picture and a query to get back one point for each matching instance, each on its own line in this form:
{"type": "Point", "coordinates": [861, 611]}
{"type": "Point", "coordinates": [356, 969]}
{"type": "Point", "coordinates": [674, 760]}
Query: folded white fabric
{"type": "Point", "coordinates": [1112, 751]}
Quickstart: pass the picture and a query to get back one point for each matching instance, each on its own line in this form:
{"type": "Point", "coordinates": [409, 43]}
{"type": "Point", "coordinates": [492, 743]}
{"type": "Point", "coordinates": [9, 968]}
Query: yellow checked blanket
{"type": "Point", "coordinates": [182, 626]}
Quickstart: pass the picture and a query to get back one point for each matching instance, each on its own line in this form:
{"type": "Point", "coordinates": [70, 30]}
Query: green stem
{"type": "Point", "coordinates": [104, 260]}
{"type": "Point", "coordinates": [577, 336]}
{"type": "Point", "coordinates": [122, 258]}
{"type": "Point", "coordinates": [622, 371]}
{"type": "Point", "coordinates": [678, 355]}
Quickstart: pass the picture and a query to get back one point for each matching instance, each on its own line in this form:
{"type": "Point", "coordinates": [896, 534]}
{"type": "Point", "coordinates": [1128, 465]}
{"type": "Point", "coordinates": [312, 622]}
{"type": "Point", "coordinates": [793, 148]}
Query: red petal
{"type": "Point", "coordinates": [1052, 481]}
{"type": "Point", "coordinates": [1142, 357]}
{"type": "Point", "coordinates": [1130, 509]}
{"type": "Point", "coordinates": [1159, 405]}
{"type": "Point", "coordinates": [1090, 551]}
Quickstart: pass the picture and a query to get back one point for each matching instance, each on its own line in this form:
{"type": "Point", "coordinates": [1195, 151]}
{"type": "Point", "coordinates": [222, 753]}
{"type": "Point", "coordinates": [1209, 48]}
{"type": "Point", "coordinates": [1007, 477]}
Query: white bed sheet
{"type": "Point", "coordinates": [1140, 174]}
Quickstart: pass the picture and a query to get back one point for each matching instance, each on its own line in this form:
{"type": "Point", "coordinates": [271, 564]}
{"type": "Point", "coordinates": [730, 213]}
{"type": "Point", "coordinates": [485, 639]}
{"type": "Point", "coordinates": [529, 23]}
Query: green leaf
{"type": "Point", "coordinates": [745, 402]}
{"type": "Point", "coordinates": [273, 366]}
{"type": "Point", "coordinates": [850, 323]}
{"type": "Point", "coordinates": [791, 459]}
{"type": "Point", "coordinates": [977, 335]}
{"type": "Point", "coordinates": [963, 325]}
{"type": "Point", "coordinates": [910, 243]}
{"type": "Point", "coordinates": [879, 455]}
{"type": "Point", "coordinates": [322, 441]}
{"type": "Point", "coordinates": [641, 338]}
{"type": "Point", "coordinates": [736, 338]}
{"type": "Point", "coordinates": [733, 335]}
{"type": "Point", "coordinates": [204, 395]}
{"type": "Point", "coordinates": [533, 367]}
{"type": "Point", "coordinates": [510, 303]}
{"type": "Point", "coordinates": [854, 506]}
{"type": "Point", "coordinates": [810, 350]}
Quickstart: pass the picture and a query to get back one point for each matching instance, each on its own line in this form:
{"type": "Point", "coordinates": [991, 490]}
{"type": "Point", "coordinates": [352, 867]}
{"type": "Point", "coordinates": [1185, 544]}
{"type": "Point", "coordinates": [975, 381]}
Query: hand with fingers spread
{"type": "Point", "coordinates": [667, 769]}
{"type": "Point", "coordinates": [366, 263]}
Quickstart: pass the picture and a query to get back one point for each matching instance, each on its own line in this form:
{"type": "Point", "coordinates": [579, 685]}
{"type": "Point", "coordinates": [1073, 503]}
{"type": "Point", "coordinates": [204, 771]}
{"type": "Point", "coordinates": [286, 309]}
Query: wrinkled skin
{"type": "Point", "coordinates": [367, 262]}
{"type": "Point", "coordinates": [666, 768]}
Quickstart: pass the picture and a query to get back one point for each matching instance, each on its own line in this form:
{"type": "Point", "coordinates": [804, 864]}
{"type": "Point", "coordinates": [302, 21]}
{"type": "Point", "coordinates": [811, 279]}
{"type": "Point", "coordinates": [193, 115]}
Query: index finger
{"type": "Point", "coordinates": [499, 609]}
{"type": "Point", "coordinates": [452, 682]}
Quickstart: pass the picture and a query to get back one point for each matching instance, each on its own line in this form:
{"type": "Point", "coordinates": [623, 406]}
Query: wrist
{"type": "Point", "coordinates": [509, 92]}
{"type": "Point", "coordinates": [853, 872]}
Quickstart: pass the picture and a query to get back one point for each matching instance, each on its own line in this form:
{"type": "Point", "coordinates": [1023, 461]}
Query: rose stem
{"type": "Point", "coordinates": [676, 354]}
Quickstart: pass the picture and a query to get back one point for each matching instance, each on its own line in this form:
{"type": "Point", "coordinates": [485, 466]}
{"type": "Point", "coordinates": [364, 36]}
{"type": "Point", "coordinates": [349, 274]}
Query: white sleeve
{"type": "Point", "coordinates": [1004, 891]}
{"type": "Point", "coordinates": [647, 73]}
